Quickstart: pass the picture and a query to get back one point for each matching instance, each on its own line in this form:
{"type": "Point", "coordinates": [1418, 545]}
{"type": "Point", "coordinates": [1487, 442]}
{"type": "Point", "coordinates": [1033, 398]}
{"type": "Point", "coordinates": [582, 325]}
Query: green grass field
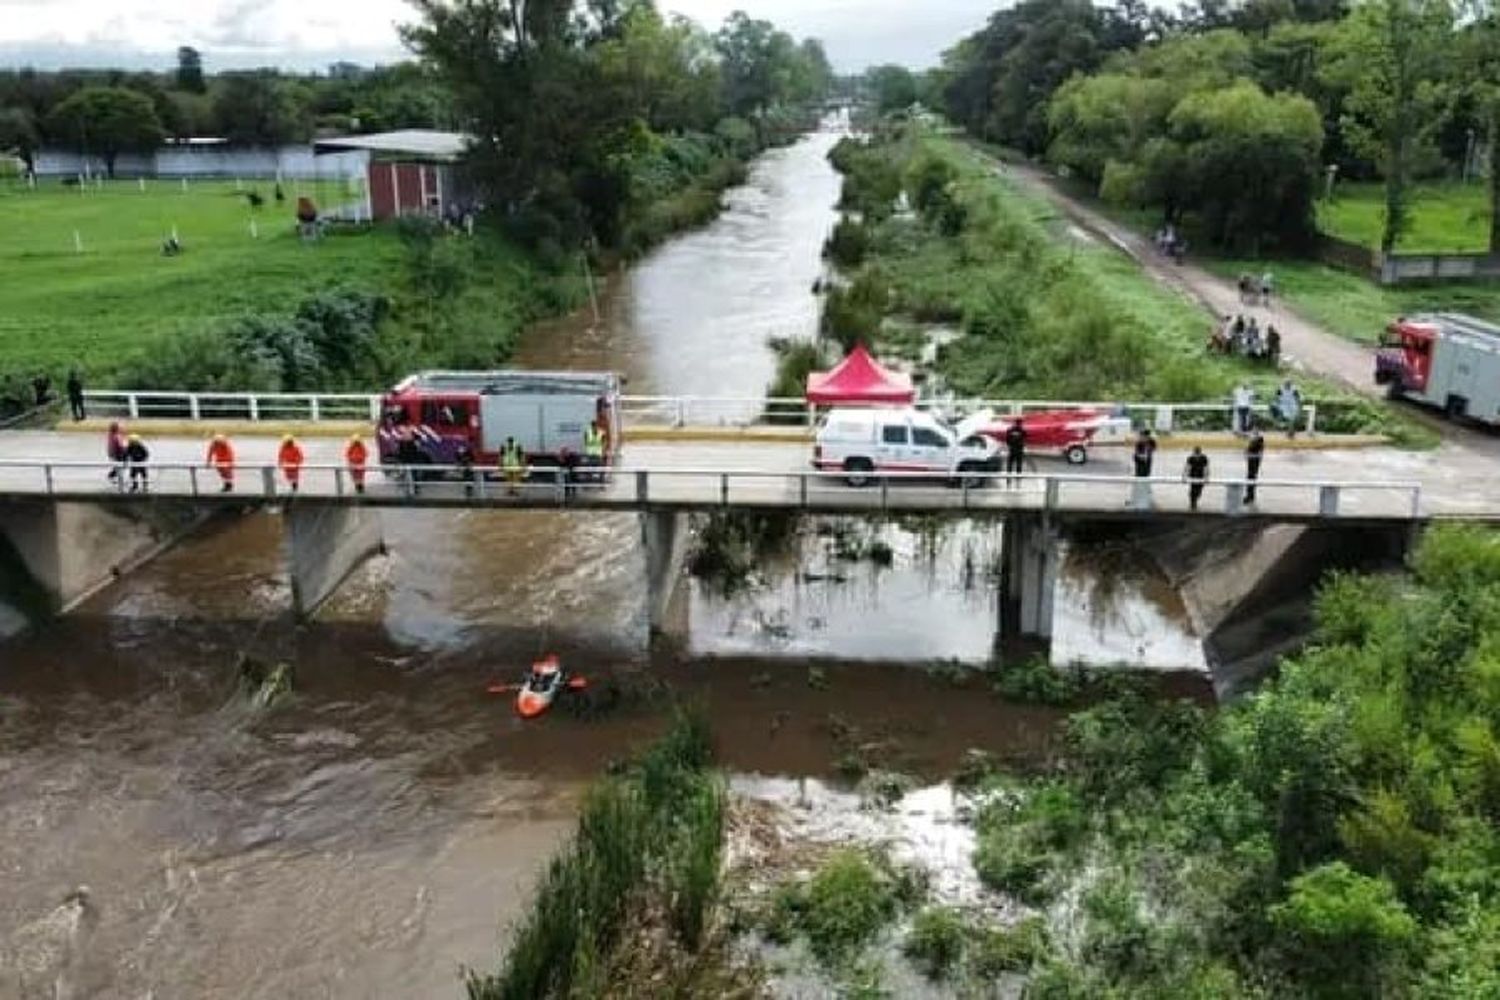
{"type": "Point", "coordinates": [60, 307]}
{"type": "Point", "coordinates": [1445, 218]}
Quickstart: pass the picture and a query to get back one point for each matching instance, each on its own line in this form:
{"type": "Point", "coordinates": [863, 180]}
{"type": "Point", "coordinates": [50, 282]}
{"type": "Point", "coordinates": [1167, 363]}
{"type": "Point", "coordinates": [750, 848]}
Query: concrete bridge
{"type": "Point", "coordinates": [74, 529]}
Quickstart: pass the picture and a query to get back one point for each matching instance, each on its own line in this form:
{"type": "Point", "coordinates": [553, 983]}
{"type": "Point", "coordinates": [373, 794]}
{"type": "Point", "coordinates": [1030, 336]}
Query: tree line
{"type": "Point", "coordinates": [1231, 112]}
{"type": "Point", "coordinates": [107, 112]}
{"type": "Point", "coordinates": [584, 111]}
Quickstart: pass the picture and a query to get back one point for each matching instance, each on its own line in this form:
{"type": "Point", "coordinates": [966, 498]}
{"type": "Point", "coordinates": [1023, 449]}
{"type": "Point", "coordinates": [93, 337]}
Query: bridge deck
{"type": "Point", "coordinates": [1372, 485]}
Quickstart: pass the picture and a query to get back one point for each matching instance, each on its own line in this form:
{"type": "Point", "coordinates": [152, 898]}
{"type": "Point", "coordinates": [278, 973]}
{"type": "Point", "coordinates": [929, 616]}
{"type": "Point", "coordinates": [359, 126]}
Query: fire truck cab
{"type": "Point", "coordinates": [1446, 360]}
{"type": "Point", "coordinates": [461, 418]}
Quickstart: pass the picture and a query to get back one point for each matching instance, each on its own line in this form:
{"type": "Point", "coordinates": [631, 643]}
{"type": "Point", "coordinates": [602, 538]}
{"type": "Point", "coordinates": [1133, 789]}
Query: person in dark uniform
{"type": "Point", "coordinates": [1144, 453]}
{"type": "Point", "coordinates": [1254, 450]}
{"type": "Point", "coordinates": [137, 455]}
{"type": "Point", "coordinates": [1196, 474]}
{"type": "Point", "coordinates": [75, 395]}
{"type": "Point", "coordinates": [1015, 448]}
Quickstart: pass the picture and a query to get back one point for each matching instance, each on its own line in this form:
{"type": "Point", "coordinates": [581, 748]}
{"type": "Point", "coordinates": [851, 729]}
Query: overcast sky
{"type": "Point", "coordinates": [312, 33]}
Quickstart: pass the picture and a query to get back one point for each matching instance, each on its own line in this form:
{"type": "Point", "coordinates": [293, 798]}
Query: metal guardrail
{"type": "Point", "coordinates": [644, 411]}
{"type": "Point", "coordinates": [796, 489]}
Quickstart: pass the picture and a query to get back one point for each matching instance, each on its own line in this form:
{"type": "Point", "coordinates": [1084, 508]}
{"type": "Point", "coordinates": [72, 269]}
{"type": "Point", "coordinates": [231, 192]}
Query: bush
{"type": "Point", "coordinates": [1347, 934]}
{"type": "Point", "coordinates": [936, 941]}
{"type": "Point", "coordinates": [1014, 949]}
{"type": "Point", "coordinates": [1036, 681]}
{"type": "Point", "coordinates": [848, 244]}
{"type": "Point", "coordinates": [1022, 841]}
{"type": "Point", "coordinates": [841, 908]}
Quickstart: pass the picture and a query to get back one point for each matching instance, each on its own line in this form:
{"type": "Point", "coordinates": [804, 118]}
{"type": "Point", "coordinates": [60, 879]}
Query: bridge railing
{"type": "Point", "coordinates": [729, 488]}
{"type": "Point", "coordinates": [674, 411]}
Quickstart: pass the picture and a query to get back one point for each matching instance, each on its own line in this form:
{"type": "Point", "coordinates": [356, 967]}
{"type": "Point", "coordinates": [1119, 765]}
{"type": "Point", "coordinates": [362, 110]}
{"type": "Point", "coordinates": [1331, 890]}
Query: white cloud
{"type": "Point", "coordinates": [310, 32]}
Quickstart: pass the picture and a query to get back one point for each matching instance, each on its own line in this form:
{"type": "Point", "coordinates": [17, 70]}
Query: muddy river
{"type": "Point", "coordinates": [374, 835]}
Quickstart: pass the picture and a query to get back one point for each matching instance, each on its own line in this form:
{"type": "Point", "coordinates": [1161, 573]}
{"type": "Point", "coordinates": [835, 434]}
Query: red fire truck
{"type": "Point", "coordinates": [1446, 360]}
{"type": "Point", "coordinates": [453, 418]}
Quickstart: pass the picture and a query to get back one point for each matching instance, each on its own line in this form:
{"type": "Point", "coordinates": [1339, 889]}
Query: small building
{"type": "Point", "coordinates": [208, 157]}
{"type": "Point", "coordinates": [410, 172]}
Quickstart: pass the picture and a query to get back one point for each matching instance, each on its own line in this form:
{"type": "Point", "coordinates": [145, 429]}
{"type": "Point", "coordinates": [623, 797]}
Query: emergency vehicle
{"type": "Point", "coordinates": [448, 418]}
{"type": "Point", "coordinates": [1446, 360]}
{"type": "Point", "coordinates": [862, 442]}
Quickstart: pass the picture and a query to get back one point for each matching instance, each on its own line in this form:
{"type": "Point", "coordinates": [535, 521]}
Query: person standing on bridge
{"type": "Point", "coordinates": [1196, 474]}
{"type": "Point", "coordinates": [512, 465]}
{"type": "Point", "coordinates": [358, 457]}
{"type": "Point", "coordinates": [289, 459]}
{"type": "Point", "coordinates": [137, 455]}
{"type": "Point", "coordinates": [221, 459]}
{"type": "Point", "coordinates": [75, 394]}
{"type": "Point", "coordinates": [1254, 451]}
{"type": "Point", "coordinates": [114, 449]}
{"type": "Point", "coordinates": [593, 448]}
{"type": "Point", "coordinates": [1015, 451]}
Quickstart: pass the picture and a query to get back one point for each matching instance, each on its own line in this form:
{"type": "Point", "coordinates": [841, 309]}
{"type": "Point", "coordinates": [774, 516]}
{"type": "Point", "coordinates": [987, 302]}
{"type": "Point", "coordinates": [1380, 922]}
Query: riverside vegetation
{"type": "Point", "coordinates": [1335, 834]}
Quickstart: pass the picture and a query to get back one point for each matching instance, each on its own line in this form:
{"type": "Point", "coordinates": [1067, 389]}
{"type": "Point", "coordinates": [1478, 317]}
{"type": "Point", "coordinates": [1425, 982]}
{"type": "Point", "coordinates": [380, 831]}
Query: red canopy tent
{"type": "Point", "coordinates": [859, 378]}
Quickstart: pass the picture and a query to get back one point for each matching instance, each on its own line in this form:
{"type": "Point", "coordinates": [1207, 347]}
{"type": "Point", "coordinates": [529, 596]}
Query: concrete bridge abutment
{"type": "Point", "coordinates": [325, 543]}
{"type": "Point", "coordinates": [56, 554]}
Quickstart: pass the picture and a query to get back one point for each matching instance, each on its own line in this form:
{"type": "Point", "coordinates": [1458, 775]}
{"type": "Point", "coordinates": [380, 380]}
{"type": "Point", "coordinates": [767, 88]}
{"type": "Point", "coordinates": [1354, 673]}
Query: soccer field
{"type": "Point", "coordinates": [61, 305]}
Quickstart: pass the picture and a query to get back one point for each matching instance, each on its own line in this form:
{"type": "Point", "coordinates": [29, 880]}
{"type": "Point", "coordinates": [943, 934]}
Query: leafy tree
{"type": "Point", "coordinates": [18, 134]}
{"type": "Point", "coordinates": [1349, 935]}
{"type": "Point", "coordinates": [190, 70]}
{"type": "Point", "coordinates": [895, 87]}
{"type": "Point", "coordinates": [260, 108]}
{"type": "Point", "coordinates": [1390, 54]}
{"type": "Point", "coordinates": [1481, 66]}
{"type": "Point", "coordinates": [106, 121]}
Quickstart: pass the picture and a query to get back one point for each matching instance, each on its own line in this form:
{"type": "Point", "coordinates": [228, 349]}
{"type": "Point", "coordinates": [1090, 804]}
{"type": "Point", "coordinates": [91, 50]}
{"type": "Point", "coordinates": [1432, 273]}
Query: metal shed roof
{"type": "Point", "coordinates": [417, 143]}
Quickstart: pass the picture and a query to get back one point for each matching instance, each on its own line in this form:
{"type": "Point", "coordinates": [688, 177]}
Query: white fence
{"type": "Point", "coordinates": [709, 488]}
{"type": "Point", "coordinates": [643, 411]}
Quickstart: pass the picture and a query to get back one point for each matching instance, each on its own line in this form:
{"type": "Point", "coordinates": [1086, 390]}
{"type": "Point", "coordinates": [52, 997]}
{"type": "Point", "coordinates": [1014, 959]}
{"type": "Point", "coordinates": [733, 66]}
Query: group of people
{"type": "Point", "coordinates": [1195, 469]}
{"type": "Point", "coordinates": [1241, 337]}
{"type": "Point", "coordinates": [1256, 291]}
{"type": "Point", "coordinates": [130, 460]}
{"type": "Point", "coordinates": [1285, 408]}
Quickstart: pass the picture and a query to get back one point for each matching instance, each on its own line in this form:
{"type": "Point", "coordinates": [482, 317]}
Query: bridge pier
{"type": "Point", "coordinates": [325, 543]}
{"type": "Point", "coordinates": [57, 554]}
{"type": "Point", "coordinates": [1028, 575]}
{"type": "Point", "coordinates": [664, 541]}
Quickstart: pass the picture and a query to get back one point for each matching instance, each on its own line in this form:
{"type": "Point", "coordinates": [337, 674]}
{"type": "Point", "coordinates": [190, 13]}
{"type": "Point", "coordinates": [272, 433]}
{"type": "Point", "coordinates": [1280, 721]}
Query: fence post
{"type": "Point", "coordinates": [254, 407]}
{"type": "Point", "coordinates": [374, 409]}
{"type": "Point", "coordinates": [193, 479]}
{"type": "Point", "coordinates": [802, 488]}
{"type": "Point", "coordinates": [885, 493]}
{"type": "Point", "coordinates": [1312, 418]}
{"type": "Point", "coordinates": [1049, 493]}
{"type": "Point", "coordinates": [679, 415]}
{"type": "Point", "coordinates": [724, 488]}
{"type": "Point", "coordinates": [1328, 501]}
{"type": "Point", "coordinates": [1234, 498]}
{"type": "Point", "coordinates": [1164, 419]}
{"type": "Point", "coordinates": [642, 488]}
{"type": "Point", "coordinates": [194, 412]}
{"type": "Point", "coordinates": [133, 406]}
{"type": "Point", "coordinates": [408, 481]}
{"type": "Point", "coordinates": [47, 475]}
{"type": "Point", "coordinates": [479, 483]}
{"type": "Point", "coordinates": [313, 408]}
{"type": "Point", "coordinates": [338, 482]}
{"type": "Point", "coordinates": [268, 480]}
{"type": "Point", "coordinates": [1416, 501]}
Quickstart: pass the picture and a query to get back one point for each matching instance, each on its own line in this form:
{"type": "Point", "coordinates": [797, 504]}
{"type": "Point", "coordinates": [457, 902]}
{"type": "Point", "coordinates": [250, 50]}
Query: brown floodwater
{"type": "Point", "coordinates": [375, 834]}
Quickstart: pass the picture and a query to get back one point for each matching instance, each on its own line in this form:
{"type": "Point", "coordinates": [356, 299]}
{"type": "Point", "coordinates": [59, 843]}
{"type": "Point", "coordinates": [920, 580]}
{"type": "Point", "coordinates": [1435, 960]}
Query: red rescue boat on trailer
{"type": "Point", "coordinates": [1070, 432]}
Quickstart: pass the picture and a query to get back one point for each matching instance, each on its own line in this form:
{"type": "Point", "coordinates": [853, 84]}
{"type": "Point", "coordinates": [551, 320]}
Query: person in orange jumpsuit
{"type": "Point", "coordinates": [221, 458]}
{"type": "Point", "coordinates": [289, 458]}
{"type": "Point", "coordinates": [358, 456]}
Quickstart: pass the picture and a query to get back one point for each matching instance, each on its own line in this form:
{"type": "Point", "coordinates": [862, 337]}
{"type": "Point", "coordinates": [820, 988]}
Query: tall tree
{"type": "Point", "coordinates": [18, 135]}
{"type": "Point", "coordinates": [260, 108]}
{"type": "Point", "coordinates": [1482, 70]}
{"type": "Point", "coordinates": [894, 87]}
{"type": "Point", "coordinates": [1391, 55]}
{"type": "Point", "coordinates": [190, 70]}
{"type": "Point", "coordinates": [106, 121]}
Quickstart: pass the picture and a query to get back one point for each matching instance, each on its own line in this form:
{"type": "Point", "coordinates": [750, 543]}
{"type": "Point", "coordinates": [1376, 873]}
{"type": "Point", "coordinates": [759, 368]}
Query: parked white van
{"type": "Point", "coordinates": [862, 442]}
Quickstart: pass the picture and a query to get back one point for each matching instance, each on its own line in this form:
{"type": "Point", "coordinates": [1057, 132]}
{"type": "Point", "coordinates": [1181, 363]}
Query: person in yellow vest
{"type": "Point", "coordinates": [512, 465]}
{"type": "Point", "coordinates": [593, 448]}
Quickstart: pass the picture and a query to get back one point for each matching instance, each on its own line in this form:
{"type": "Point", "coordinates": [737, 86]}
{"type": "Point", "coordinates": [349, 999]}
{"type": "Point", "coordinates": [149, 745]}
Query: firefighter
{"type": "Point", "coordinates": [1254, 452]}
{"type": "Point", "coordinates": [221, 459]}
{"type": "Point", "coordinates": [512, 465]}
{"type": "Point", "coordinates": [1015, 450]}
{"type": "Point", "coordinates": [358, 457]}
{"type": "Point", "coordinates": [289, 459]}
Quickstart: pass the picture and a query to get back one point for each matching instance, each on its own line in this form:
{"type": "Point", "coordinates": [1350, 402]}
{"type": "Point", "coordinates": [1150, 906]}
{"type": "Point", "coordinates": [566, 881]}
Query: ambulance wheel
{"type": "Point", "coordinates": [1076, 454]}
{"type": "Point", "coordinates": [857, 471]}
